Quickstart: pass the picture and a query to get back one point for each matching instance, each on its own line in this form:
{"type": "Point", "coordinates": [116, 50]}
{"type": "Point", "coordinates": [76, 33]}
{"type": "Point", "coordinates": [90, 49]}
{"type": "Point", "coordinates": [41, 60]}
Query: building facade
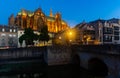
{"type": "Point", "coordinates": [8, 36]}
{"type": "Point", "coordinates": [99, 32]}
{"type": "Point", "coordinates": [85, 33]}
{"type": "Point", "coordinates": [116, 33]}
{"type": "Point", "coordinates": [37, 19]}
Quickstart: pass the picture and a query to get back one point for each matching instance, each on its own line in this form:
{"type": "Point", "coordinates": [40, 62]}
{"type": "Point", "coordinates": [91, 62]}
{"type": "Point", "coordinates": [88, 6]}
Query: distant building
{"type": "Point", "coordinates": [8, 36]}
{"type": "Point", "coordinates": [36, 19]}
{"type": "Point", "coordinates": [116, 33]}
{"type": "Point", "coordinates": [99, 32]}
{"type": "Point", "coordinates": [85, 33]}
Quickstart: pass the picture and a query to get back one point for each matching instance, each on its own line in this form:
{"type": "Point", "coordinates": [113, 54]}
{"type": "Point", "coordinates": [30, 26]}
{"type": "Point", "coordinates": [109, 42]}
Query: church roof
{"type": "Point", "coordinates": [50, 18]}
{"type": "Point", "coordinates": [26, 12]}
{"type": "Point", "coordinates": [53, 19]}
{"type": "Point", "coordinates": [30, 13]}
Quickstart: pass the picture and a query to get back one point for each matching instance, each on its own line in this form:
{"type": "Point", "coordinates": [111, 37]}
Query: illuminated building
{"type": "Point", "coordinates": [37, 19]}
{"type": "Point", "coordinates": [8, 36]}
{"type": "Point", "coordinates": [99, 32]}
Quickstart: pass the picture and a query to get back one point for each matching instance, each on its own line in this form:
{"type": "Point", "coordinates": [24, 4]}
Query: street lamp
{"type": "Point", "coordinates": [70, 35]}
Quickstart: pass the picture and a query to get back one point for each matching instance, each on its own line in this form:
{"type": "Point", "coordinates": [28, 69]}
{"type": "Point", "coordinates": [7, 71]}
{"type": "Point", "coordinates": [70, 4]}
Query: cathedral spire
{"type": "Point", "coordinates": [51, 14]}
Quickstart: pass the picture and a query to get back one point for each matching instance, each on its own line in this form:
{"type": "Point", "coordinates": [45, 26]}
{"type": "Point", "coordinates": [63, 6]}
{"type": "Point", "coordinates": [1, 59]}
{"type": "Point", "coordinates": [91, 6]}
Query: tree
{"type": "Point", "coordinates": [44, 34]}
{"type": "Point", "coordinates": [28, 36]}
{"type": "Point", "coordinates": [21, 40]}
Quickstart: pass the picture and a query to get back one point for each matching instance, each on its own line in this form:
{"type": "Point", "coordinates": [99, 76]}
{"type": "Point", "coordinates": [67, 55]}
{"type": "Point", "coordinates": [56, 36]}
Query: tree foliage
{"type": "Point", "coordinates": [28, 36]}
{"type": "Point", "coordinates": [44, 34]}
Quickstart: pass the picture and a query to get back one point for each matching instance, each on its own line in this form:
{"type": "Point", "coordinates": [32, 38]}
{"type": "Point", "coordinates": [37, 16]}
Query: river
{"type": "Point", "coordinates": [58, 71]}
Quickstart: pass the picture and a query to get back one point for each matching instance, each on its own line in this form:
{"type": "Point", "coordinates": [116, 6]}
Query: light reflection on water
{"type": "Point", "coordinates": [8, 76]}
{"type": "Point", "coordinates": [17, 76]}
{"type": "Point", "coordinates": [41, 77]}
{"type": "Point", "coordinates": [57, 72]}
{"type": "Point", "coordinates": [24, 76]}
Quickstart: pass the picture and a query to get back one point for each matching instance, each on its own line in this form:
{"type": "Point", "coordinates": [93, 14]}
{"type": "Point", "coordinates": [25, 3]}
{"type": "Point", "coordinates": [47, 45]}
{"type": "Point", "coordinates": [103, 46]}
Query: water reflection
{"type": "Point", "coordinates": [24, 76]}
{"type": "Point", "coordinates": [60, 71]}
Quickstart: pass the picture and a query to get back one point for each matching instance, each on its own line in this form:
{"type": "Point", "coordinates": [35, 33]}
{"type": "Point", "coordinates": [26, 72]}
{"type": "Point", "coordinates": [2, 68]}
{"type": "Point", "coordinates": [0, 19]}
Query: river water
{"type": "Point", "coordinates": [60, 71]}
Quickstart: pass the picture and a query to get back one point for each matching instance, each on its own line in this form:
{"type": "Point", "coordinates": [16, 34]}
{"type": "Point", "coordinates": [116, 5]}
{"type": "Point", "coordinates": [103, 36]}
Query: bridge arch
{"type": "Point", "coordinates": [76, 59]}
{"type": "Point", "coordinates": [97, 67]}
{"type": "Point", "coordinates": [75, 66]}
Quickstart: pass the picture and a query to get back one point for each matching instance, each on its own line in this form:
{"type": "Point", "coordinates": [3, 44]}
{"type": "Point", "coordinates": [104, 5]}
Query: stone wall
{"type": "Point", "coordinates": [52, 55]}
{"type": "Point", "coordinates": [22, 52]}
{"type": "Point", "coordinates": [57, 55]}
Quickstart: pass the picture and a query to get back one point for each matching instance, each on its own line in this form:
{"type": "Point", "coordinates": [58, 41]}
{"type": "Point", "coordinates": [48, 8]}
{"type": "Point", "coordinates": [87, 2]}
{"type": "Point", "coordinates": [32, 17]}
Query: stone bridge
{"type": "Point", "coordinates": [32, 59]}
{"type": "Point", "coordinates": [99, 60]}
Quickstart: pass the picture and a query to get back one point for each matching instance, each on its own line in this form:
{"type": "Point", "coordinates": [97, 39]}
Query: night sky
{"type": "Point", "coordinates": [73, 11]}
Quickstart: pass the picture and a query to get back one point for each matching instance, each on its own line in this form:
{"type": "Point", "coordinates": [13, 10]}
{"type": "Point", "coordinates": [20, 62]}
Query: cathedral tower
{"type": "Point", "coordinates": [37, 19]}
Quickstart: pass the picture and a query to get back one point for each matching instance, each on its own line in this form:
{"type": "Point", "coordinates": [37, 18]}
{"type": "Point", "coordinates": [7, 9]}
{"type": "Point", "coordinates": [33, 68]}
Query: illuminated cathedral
{"type": "Point", "coordinates": [37, 19]}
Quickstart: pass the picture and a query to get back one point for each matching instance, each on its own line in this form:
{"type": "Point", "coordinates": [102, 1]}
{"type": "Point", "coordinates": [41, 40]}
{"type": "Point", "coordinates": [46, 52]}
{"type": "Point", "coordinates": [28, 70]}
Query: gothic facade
{"type": "Point", "coordinates": [37, 19]}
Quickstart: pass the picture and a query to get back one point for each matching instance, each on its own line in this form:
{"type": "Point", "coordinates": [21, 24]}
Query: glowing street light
{"type": "Point", "coordinates": [70, 36]}
{"type": "Point", "coordinates": [60, 37]}
{"type": "Point", "coordinates": [70, 33]}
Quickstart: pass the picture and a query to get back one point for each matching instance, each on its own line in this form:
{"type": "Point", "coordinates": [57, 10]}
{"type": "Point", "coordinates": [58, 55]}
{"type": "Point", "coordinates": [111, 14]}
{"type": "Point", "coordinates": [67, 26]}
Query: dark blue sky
{"type": "Point", "coordinates": [73, 11]}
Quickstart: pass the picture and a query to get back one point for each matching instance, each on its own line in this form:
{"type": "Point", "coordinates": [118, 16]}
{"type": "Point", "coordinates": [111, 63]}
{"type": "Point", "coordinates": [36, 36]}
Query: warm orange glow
{"type": "Point", "coordinates": [54, 22]}
{"type": "Point", "coordinates": [70, 33]}
{"type": "Point", "coordinates": [88, 38]}
{"type": "Point", "coordinates": [24, 14]}
{"type": "Point", "coordinates": [60, 38]}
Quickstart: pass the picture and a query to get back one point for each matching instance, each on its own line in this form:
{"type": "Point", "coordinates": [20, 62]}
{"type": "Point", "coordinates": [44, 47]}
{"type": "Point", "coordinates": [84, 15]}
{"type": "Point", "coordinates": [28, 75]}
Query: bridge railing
{"type": "Point", "coordinates": [106, 49]}
{"type": "Point", "coordinates": [22, 52]}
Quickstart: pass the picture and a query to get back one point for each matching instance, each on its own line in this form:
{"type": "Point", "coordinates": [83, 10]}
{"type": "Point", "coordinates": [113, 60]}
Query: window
{"type": "Point", "coordinates": [107, 38]}
{"type": "Point", "coordinates": [116, 28]}
{"type": "Point", "coordinates": [116, 37]}
{"type": "Point", "coordinates": [3, 30]}
{"type": "Point", "coordinates": [14, 35]}
{"type": "Point", "coordinates": [116, 32]}
{"type": "Point", "coordinates": [107, 30]}
{"type": "Point", "coordinates": [10, 35]}
{"type": "Point", "coordinates": [10, 30]}
{"type": "Point", "coordinates": [3, 34]}
{"type": "Point", "coordinates": [14, 30]}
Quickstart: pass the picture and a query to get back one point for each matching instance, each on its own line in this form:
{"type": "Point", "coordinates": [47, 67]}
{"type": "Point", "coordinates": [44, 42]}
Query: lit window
{"type": "Point", "coordinates": [14, 35]}
{"type": "Point", "coordinates": [10, 30]}
{"type": "Point", "coordinates": [10, 35]}
{"type": "Point", "coordinates": [3, 34]}
{"type": "Point", "coordinates": [14, 30]}
{"type": "Point", "coordinates": [3, 29]}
